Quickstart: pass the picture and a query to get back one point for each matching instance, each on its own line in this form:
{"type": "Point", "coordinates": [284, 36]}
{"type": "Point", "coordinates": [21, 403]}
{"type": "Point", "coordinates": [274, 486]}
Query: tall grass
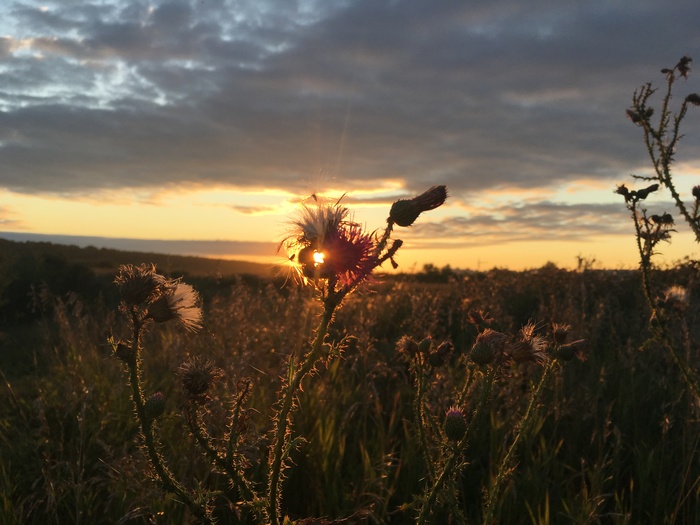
{"type": "Point", "coordinates": [615, 438]}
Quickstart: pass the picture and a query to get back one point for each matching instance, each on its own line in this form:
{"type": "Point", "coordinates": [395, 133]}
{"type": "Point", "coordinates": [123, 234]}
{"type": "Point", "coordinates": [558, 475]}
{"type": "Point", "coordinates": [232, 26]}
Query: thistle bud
{"type": "Point", "coordinates": [696, 192]}
{"type": "Point", "coordinates": [154, 406]}
{"type": "Point", "coordinates": [404, 212]}
{"type": "Point", "coordinates": [455, 424]}
{"type": "Point", "coordinates": [481, 353]}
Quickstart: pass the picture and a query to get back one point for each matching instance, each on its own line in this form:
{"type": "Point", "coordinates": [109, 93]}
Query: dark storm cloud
{"type": "Point", "coordinates": [265, 94]}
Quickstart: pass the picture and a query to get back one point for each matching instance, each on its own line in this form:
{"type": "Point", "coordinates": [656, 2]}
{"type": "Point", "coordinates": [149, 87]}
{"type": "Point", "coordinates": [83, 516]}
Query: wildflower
{"type": "Point", "coordinates": [560, 332]}
{"type": "Point", "coordinates": [326, 245]}
{"type": "Point", "coordinates": [197, 376]}
{"type": "Point", "coordinates": [154, 406]}
{"type": "Point", "coordinates": [404, 212]}
{"type": "Point", "coordinates": [676, 298]}
{"type": "Point", "coordinates": [529, 346]}
{"type": "Point", "coordinates": [455, 425]}
{"type": "Point", "coordinates": [179, 301]}
{"type": "Point", "coordinates": [139, 284]}
{"type": "Point", "coordinates": [488, 347]}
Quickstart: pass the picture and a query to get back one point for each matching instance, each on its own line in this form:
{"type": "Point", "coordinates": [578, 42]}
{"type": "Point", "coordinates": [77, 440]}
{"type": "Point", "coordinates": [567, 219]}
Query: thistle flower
{"type": "Point", "coordinates": [529, 346]}
{"type": "Point", "coordinates": [139, 284]}
{"type": "Point", "coordinates": [488, 347]}
{"type": "Point", "coordinates": [326, 245]}
{"type": "Point", "coordinates": [179, 301]}
{"type": "Point", "coordinates": [676, 298]}
{"type": "Point", "coordinates": [560, 332]}
{"type": "Point", "coordinates": [197, 376]}
{"type": "Point", "coordinates": [404, 212]}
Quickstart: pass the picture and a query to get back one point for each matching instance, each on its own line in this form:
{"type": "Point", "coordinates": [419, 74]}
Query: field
{"type": "Point", "coordinates": [612, 438]}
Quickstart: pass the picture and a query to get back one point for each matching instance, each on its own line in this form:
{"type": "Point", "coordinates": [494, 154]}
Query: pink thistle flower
{"type": "Point", "coordinates": [326, 245]}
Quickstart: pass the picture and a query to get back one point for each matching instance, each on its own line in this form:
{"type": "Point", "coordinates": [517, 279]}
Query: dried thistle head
{"type": "Point", "coordinates": [676, 298]}
{"type": "Point", "coordinates": [529, 346]}
{"type": "Point", "coordinates": [197, 376]}
{"type": "Point", "coordinates": [139, 285]}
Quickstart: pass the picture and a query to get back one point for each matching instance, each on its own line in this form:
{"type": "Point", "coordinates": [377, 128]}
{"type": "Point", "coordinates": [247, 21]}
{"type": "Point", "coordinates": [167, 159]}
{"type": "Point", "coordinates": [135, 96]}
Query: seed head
{"type": "Point", "coordinates": [455, 425]}
{"type": "Point", "coordinates": [529, 346]}
{"type": "Point", "coordinates": [179, 301]}
{"type": "Point", "coordinates": [404, 212]}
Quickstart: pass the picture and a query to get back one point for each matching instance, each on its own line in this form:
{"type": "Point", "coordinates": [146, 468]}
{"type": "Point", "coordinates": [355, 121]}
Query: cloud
{"type": "Point", "coordinates": [127, 94]}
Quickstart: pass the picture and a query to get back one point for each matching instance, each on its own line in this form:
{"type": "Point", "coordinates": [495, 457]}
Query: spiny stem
{"type": "Point", "coordinates": [204, 441]}
{"type": "Point", "coordinates": [495, 488]}
{"type": "Point", "coordinates": [456, 452]}
{"type": "Point", "coordinates": [164, 475]}
{"type": "Point", "coordinates": [283, 420]}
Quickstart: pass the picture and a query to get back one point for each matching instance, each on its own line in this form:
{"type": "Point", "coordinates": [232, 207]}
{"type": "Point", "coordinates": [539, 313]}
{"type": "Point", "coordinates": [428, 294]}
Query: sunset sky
{"type": "Point", "coordinates": [197, 127]}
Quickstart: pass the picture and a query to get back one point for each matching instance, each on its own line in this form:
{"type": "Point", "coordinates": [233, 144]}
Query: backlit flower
{"type": "Point", "coordinates": [180, 301]}
{"type": "Point", "coordinates": [529, 346]}
{"type": "Point", "coordinates": [326, 245]}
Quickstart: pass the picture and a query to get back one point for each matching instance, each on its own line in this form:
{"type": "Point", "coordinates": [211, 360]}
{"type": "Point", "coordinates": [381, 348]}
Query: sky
{"type": "Point", "coordinates": [197, 127]}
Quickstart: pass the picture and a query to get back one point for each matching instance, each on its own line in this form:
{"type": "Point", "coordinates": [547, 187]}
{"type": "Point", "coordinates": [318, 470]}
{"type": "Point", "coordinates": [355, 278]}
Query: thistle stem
{"type": "Point", "coordinates": [495, 488]}
{"type": "Point", "coordinates": [147, 430]}
{"type": "Point", "coordinates": [284, 419]}
{"type": "Point", "coordinates": [456, 452]}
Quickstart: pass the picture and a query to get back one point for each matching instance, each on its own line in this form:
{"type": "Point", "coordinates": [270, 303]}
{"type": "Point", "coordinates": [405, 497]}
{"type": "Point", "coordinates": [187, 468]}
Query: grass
{"type": "Point", "coordinates": [614, 440]}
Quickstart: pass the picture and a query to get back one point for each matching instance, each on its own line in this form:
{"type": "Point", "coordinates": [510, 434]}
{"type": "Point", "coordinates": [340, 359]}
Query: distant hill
{"type": "Point", "coordinates": [106, 260]}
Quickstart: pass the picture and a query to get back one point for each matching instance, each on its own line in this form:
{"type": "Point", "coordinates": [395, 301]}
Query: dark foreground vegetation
{"type": "Point", "coordinates": [615, 439]}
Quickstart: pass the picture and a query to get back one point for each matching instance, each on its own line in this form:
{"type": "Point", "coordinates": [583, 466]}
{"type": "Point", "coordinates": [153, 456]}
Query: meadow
{"type": "Point", "coordinates": [614, 438]}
